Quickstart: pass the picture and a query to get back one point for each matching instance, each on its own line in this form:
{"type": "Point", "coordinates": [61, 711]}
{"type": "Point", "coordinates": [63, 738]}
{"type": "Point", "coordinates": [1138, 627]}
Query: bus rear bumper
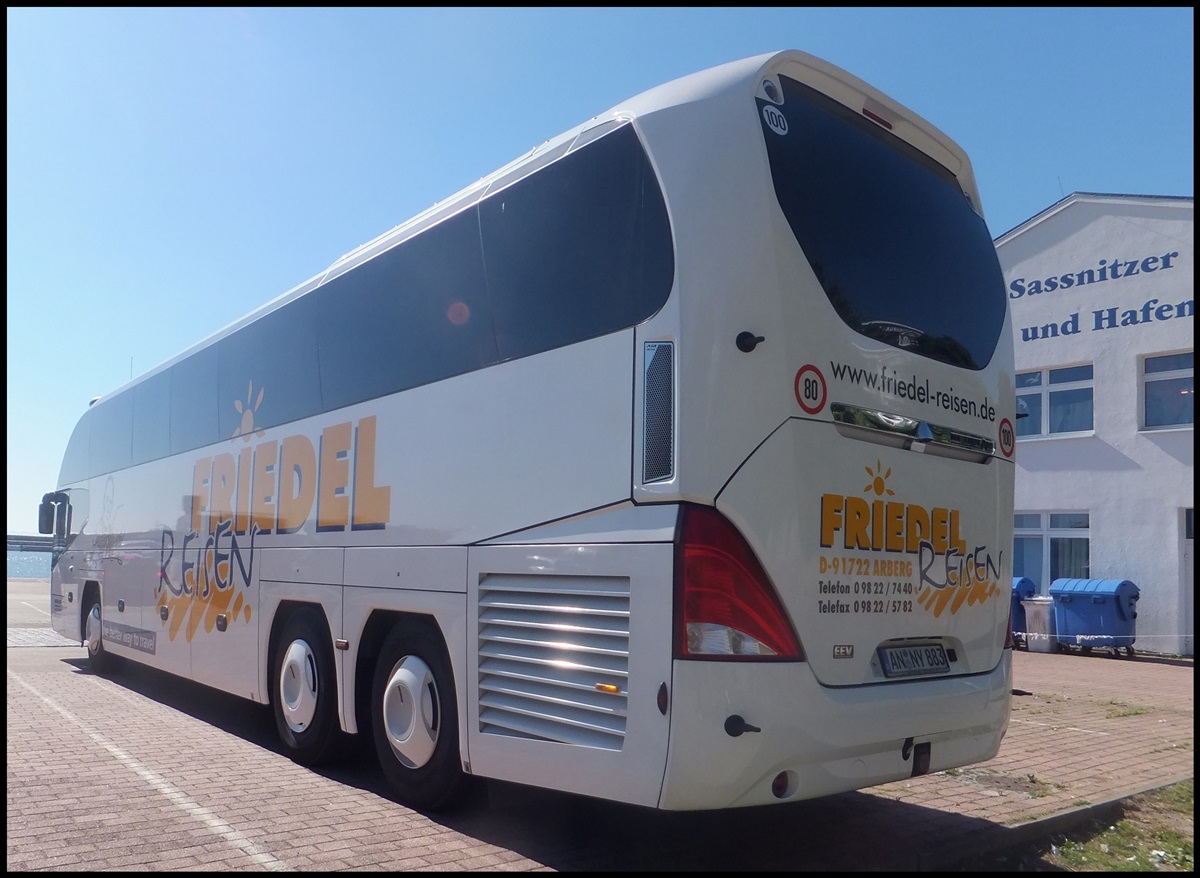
{"type": "Point", "coordinates": [809, 740]}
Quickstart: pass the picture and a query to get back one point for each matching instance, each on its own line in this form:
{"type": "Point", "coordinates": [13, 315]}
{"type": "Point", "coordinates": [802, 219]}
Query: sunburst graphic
{"type": "Point", "coordinates": [878, 483]}
{"type": "Point", "coordinates": [246, 428]}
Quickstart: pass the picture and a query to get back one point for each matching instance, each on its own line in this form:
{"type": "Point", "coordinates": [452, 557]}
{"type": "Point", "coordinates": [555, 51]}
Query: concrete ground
{"type": "Point", "coordinates": [145, 772]}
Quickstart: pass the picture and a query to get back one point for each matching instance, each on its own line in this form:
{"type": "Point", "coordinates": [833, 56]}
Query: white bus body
{"type": "Point", "coordinates": [670, 464]}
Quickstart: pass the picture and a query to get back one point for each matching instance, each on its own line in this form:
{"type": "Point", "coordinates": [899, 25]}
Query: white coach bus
{"type": "Point", "coordinates": [670, 464]}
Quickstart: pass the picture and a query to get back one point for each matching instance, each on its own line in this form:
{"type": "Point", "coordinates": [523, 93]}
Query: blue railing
{"type": "Point", "coordinates": [30, 543]}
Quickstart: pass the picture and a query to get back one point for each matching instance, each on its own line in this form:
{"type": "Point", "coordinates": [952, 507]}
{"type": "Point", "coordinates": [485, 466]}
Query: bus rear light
{"type": "Point", "coordinates": [784, 785]}
{"type": "Point", "coordinates": [877, 114]}
{"type": "Point", "coordinates": [725, 606]}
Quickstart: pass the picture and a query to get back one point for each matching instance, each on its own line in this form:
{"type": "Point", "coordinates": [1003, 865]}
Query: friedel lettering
{"type": "Point", "coordinates": [275, 485]}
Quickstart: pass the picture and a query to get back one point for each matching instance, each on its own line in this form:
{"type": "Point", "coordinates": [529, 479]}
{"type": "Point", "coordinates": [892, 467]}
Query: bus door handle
{"type": "Point", "coordinates": [735, 726]}
{"type": "Point", "coordinates": [748, 341]}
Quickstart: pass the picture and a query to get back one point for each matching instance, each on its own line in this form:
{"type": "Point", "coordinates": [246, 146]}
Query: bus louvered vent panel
{"type": "Point", "coordinates": [545, 644]}
{"type": "Point", "coordinates": [658, 460]}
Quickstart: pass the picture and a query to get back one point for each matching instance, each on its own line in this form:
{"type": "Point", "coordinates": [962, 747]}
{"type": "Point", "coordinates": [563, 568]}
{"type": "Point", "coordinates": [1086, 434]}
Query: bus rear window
{"type": "Point", "coordinates": [890, 235]}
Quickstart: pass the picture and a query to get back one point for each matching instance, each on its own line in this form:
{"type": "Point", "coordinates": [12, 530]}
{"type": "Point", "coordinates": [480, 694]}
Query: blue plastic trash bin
{"type": "Point", "coordinates": [1095, 612]}
{"type": "Point", "coordinates": [1022, 588]}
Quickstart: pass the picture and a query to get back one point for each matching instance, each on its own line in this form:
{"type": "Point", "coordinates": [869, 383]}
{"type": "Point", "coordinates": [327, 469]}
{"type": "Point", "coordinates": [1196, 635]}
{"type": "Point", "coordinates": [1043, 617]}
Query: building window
{"type": "Point", "coordinates": [1051, 545]}
{"type": "Point", "coordinates": [1168, 390]}
{"type": "Point", "coordinates": [1053, 401]}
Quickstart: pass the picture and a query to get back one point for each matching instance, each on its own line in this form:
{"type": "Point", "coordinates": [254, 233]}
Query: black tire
{"type": "Point", "coordinates": [1085, 650]}
{"type": "Point", "coordinates": [1130, 651]}
{"type": "Point", "coordinates": [304, 689]}
{"type": "Point", "coordinates": [414, 718]}
{"type": "Point", "coordinates": [100, 660]}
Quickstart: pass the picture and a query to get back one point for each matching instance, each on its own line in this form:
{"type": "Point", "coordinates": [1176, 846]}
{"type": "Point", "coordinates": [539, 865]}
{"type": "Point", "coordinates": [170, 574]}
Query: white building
{"type": "Point", "coordinates": [1102, 304]}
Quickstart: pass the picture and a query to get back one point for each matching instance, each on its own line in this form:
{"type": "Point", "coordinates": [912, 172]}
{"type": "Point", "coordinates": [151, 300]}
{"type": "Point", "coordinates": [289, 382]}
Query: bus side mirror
{"type": "Point", "coordinates": [54, 514]}
{"type": "Point", "coordinates": [46, 510]}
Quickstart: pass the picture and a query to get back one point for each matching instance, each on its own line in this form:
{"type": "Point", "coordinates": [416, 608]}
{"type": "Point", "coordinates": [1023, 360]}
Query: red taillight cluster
{"type": "Point", "coordinates": [725, 606]}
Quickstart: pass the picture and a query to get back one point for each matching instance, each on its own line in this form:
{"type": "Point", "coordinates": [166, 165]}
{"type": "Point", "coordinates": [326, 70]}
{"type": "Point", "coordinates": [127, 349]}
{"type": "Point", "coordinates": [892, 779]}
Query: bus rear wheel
{"type": "Point", "coordinates": [414, 718]}
{"type": "Point", "coordinates": [304, 689]}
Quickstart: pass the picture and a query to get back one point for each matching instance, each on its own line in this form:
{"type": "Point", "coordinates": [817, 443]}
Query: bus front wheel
{"type": "Point", "coordinates": [100, 659]}
{"type": "Point", "coordinates": [304, 688]}
{"type": "Point", "coordinates": [415, 718]}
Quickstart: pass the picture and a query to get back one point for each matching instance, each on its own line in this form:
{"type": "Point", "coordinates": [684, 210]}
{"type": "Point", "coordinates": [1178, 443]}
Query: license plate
{"type": "Point", "coordinates": [908, 661]}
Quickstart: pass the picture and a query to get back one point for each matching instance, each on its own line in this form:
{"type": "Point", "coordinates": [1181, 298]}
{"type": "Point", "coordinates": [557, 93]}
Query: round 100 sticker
{"type": "Point", "coordinates": [1008, 437]}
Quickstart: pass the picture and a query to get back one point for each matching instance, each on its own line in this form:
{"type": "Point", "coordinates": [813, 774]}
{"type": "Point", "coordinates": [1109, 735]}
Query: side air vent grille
{"type": "Point", "coordinates": [554, 658]}
{"type": "Point", "coordinates": [658, 460]}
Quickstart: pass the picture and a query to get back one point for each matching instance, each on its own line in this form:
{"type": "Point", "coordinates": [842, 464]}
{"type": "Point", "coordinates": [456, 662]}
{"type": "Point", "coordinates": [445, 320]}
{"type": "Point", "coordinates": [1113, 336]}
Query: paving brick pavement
{"type": "Point", "coordinates": [144, 772]}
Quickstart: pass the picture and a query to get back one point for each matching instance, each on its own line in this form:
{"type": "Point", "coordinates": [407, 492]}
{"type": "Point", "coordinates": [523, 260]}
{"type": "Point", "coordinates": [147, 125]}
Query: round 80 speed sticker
{"type": "Point", "coordinates": [810, 388]}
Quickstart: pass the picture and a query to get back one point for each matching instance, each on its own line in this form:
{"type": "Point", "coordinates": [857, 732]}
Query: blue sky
{"type": "Point", "coordinates": [170, 170]}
